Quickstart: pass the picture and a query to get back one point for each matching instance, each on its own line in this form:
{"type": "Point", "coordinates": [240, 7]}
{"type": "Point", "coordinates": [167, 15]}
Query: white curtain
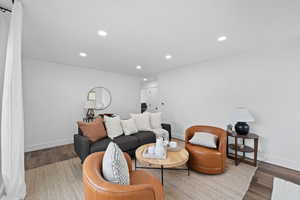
{"type": "Point", "coordinates": [4, 24]}
{"type": "Point", "coordinates": [12, 122]}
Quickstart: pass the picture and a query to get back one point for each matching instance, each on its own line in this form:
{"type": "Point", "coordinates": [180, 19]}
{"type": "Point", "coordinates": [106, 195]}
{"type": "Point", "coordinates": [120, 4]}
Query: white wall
{"type": "Point", "coordinates": [54, 96]}
{"type": "Point", "coordinates": [267, 82]}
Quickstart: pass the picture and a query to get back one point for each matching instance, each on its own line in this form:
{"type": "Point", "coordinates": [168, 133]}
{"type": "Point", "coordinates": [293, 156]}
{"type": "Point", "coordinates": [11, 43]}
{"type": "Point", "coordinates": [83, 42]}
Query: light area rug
{"type": "Point", "coordinates": [63, 181]}
{"type": "Point", "coordinates": [285, 190]}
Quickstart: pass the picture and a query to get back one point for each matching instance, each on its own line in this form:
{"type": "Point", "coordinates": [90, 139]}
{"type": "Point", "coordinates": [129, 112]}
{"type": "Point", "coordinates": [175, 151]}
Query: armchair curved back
{"type": "Point", "coordinates": [206, 160]}
{"type": "Point", "coordinates": [221, 133]}
{"type": "Point", "coordinates": [96, 187]}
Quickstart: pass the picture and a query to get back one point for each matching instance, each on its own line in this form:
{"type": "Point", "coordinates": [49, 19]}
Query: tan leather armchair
{"type": "Point", "coordinates": [142, 184]}
{"type": "Point", "coordinates": [203, 159]}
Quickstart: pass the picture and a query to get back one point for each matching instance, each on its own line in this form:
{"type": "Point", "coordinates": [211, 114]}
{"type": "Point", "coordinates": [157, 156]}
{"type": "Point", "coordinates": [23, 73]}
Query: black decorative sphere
{"type": "Point", "coordinates": [241, 128]}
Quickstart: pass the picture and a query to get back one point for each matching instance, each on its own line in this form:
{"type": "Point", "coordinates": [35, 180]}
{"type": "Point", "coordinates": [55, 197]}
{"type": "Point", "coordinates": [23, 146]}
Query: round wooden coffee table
{"type": "Point", "coordinates": [174, 159]}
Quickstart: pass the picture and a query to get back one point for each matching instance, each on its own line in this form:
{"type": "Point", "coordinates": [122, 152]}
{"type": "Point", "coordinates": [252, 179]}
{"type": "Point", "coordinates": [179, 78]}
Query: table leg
{"type": "Point", "coordinates": [227, 148]}
{"type": "Point", "coordinates": [255, 151]}
{"type": "Point", "coordinates": [244, 154]}
{"type": "Point", "coordinates": [235, 151]}
{"type": "Point", "coordinates": [162, 174]}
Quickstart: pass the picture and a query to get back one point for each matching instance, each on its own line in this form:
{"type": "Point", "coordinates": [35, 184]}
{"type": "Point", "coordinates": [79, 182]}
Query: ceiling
{"type": "Point", "coordinates": [142, 32]}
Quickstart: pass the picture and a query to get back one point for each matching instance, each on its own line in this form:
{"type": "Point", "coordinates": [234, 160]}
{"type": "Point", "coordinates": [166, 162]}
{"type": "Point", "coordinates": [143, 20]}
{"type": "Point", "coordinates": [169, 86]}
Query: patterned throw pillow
{"type": "Point", "coordinates": [114, 165]}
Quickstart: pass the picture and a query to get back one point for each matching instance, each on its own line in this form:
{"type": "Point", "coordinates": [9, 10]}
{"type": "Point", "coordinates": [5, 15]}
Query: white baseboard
{"type": "Point", "coordinates": [283, 162]}
{"type": "Point", "coordinates": [50, 144]}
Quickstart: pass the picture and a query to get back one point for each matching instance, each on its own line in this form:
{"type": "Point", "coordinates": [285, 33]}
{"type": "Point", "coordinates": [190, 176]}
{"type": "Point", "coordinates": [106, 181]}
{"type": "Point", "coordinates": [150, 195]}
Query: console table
{"type": "Point", "coordinates": [236, 147]}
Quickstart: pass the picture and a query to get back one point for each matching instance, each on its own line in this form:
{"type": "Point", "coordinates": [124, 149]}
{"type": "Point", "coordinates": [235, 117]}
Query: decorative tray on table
{"type": "Point", "coordinates": [147, 154]}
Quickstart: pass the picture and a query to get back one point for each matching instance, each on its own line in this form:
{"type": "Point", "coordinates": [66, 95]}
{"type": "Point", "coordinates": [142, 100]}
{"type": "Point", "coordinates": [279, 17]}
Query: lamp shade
{"type": "Point", "coordinates": [242, 115]}
{"type": "Point", "coordinates": [90, 105]}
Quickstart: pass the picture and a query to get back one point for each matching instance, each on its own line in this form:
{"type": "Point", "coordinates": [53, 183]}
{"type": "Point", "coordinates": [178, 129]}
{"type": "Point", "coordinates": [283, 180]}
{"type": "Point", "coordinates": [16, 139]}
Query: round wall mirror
{"type": "Point", "coordinates": [100, 97]}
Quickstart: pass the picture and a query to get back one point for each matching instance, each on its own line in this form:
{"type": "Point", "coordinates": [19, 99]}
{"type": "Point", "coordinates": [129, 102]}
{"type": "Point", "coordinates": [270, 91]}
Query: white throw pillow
{"type": "Point", "coordinates": [204, 139]}
{"type": "Point", "coordinates": [113, 126]}
{"type": "Point", "coordinates": [114, 165]}
{"type": "Point", "coordinates": [129, 126]}
{"type": "Point", "coordinates": [142, 121]}
{"type": "Point", "coordinates": [155, 120]}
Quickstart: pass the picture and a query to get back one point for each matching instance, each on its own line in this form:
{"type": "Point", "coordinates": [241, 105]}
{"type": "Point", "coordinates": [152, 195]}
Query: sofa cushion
{"type": "Point", "coordinates": [127, 142]}
{"type": "Point", "coordinates": [100, 145]}
{"type": "Point", "coordinates": [155, 120]}
{"type": "Point", "coordinates": [129, 126]}
{"type": "Point", "coordinates": [142, 121]}
{"type": "Point", "coordinates": [113, 126]}
{"type": "Point", "coordinates": [145, 137]}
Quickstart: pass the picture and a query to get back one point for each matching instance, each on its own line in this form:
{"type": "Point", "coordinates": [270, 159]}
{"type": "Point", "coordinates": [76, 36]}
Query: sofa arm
{"type": "Point", "coordinates": [167, 127]}
{"type": "Point", "coordinates": [82, 146]}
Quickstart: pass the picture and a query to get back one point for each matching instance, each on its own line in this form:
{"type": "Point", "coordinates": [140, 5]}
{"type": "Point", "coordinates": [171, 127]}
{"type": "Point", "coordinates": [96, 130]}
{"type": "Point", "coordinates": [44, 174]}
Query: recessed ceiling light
{"type": "Point", "coordinates": [222, 38]}
{"type": "Point", "coordinates": [145, 79]}
{"type": "Point", "coordinates": [168, 56]}
{"type": "Point", "coordinates": [82, 54]}
{"type": "Point", "coordinates": [102, 33]}
{"type": "Point", "coordinates": [139, 67]}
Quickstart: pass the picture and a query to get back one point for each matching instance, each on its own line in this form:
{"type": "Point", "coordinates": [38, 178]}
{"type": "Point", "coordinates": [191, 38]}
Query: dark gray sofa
{"type": "Point", "coordinates": [84, 147]}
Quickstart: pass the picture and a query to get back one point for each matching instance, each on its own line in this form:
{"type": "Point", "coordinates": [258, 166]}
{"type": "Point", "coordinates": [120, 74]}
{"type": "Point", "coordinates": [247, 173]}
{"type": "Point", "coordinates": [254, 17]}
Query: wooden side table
{"type": "Point", "coordinates": [244, 149]}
